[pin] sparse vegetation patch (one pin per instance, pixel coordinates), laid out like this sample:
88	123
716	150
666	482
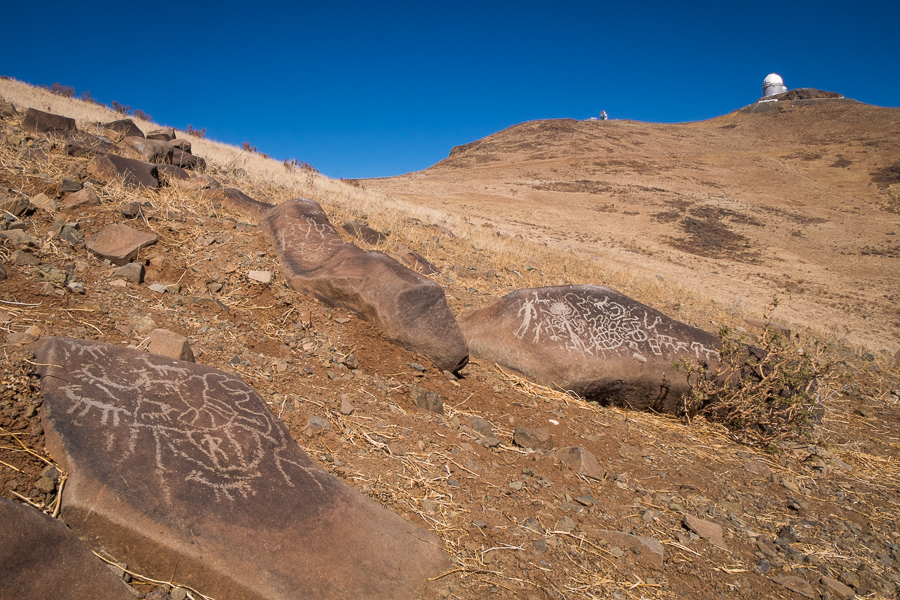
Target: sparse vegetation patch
761	394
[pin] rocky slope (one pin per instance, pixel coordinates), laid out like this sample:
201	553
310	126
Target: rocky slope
535	494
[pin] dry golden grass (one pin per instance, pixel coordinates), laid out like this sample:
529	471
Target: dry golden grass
518	262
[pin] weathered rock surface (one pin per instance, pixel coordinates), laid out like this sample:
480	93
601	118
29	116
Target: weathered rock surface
133	173
705	529
537	438
415	261
166	134
164	342
123	128
428	400
170	173
234	200
177	467
39	121
140	148
591	340
186	160
119	244
41	558
797	584
411	309
581	461
81	143
361	231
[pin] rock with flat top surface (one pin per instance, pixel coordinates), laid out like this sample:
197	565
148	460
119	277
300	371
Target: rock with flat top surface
40	558
180	468
119	244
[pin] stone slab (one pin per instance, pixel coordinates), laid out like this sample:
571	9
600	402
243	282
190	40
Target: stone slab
411	309
38	121
591	340
40	558
123	128
705	529
119	244
180	468
81	198
132	173
140	148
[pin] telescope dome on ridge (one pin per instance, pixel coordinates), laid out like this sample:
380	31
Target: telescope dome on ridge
773	84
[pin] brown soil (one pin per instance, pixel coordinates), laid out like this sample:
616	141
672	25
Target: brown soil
502	512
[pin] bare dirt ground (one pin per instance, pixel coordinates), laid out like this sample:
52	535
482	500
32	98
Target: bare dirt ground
518	523
802	200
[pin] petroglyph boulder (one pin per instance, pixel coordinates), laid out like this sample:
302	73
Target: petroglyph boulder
410	308
591	340
180	468
41	558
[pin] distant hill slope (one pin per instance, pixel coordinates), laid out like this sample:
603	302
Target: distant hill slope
796	197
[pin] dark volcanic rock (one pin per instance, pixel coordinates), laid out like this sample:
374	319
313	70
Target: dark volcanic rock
166	134
168	173
591	340
124	128
41	558
140	148
361	231
180	468
82	143
39	121
133	173
410	308
186	160
234	200
415	261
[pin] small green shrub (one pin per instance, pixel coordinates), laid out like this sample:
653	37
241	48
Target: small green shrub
761	394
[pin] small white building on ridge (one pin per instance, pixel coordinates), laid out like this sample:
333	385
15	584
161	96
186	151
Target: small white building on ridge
773	84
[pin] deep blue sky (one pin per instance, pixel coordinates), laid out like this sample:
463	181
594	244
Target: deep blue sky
365	89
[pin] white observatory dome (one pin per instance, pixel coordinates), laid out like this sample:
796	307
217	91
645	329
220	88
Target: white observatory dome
773	84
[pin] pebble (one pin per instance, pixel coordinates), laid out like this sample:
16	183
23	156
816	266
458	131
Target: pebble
566	524
261	276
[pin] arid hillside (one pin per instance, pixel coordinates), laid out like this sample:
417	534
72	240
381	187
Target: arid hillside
533	492
796	198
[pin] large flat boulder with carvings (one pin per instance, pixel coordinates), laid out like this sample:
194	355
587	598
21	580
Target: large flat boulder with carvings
591	340
411	309
180	468
41	558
